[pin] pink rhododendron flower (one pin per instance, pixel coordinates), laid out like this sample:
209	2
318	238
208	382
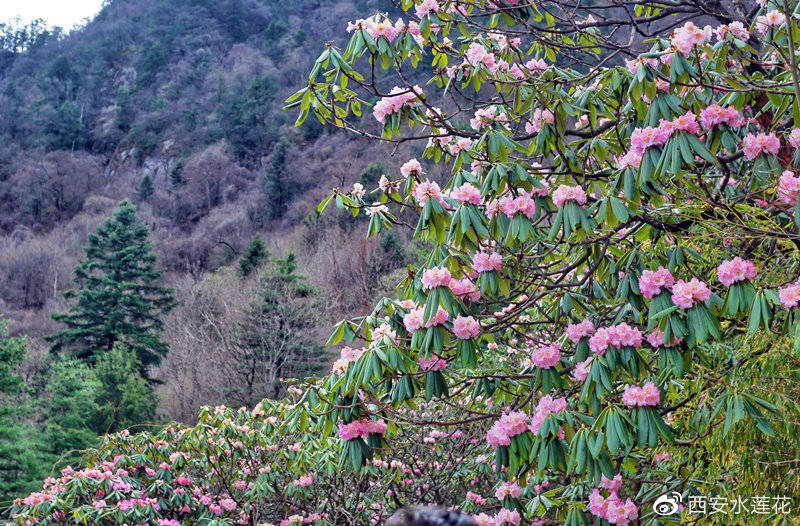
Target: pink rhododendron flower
647	395
505	516
580	330
566	193
466	327
508	489
773	18
507	426
734	270
652	282
484	118
689	35
427	190
684	294
464	289
582	370
656	339
432	363
788	187
426	7
755	144
715	114
414	319
539	118
612	485
361	428
622	335
522	204
546	356
466	193
411	167
439	318
398	99
303	482
487	261
736	28
794	137
790	295
436	277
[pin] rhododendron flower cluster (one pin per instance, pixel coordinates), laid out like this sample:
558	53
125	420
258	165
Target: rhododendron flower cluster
522	204
685	293
410	168
647	395
565	193
576	331
414	319
361	428
487	261
507	426
794	137
427	190
539	118
508	489
656	339
436	277
439	318
426	7
653	282
789	296
582	370
465	327
547	406
612	508
432	363
486	116
464	289
734	270
621	335
689	35
773	18
376	27
466	193
546	356
755	144
397	100
715	114
788	187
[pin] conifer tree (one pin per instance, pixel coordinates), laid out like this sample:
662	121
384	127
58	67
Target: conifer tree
123	397
145	189
255	254
274	183
117	297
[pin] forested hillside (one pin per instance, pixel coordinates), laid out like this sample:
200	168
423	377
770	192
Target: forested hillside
176	105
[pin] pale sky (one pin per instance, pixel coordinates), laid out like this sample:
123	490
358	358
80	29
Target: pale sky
63	13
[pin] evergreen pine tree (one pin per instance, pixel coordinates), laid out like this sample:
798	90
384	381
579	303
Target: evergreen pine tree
145	189
176	174
274	182
117	298
255	254
123	397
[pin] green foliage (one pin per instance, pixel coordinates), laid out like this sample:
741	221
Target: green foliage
23	459
255	254
70	401
245	117
176	177
123	397
372	174
145	189
275	183
66	127
117	297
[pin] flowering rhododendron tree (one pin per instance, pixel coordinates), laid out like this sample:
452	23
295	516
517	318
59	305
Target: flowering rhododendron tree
620	225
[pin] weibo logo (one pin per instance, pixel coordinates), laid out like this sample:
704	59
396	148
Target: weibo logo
667	504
